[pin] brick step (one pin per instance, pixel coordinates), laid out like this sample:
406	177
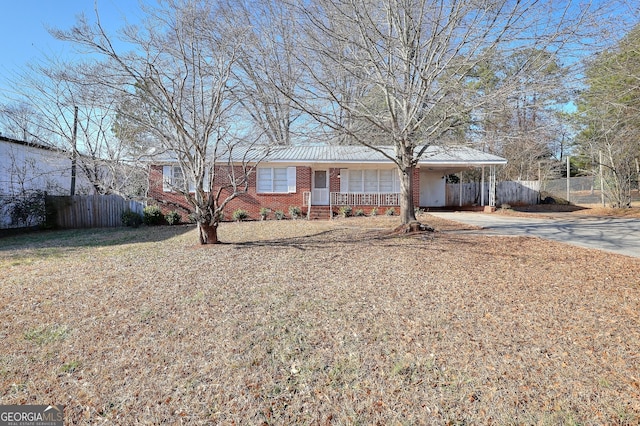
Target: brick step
320	212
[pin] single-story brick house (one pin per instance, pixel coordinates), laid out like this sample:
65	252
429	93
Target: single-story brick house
320	179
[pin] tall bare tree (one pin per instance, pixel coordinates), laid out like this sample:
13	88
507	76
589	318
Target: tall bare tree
609	112
524	127
419	55
267	73
48	94
18	120
178	81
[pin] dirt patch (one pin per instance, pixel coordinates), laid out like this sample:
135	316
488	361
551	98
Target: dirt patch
581	210
320	322
413	228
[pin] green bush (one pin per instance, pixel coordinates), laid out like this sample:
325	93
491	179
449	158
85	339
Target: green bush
374	211
27	208
390	211
345	211
264	212
295	212
279	214
152	215
359	213
173	218
130	218
240	215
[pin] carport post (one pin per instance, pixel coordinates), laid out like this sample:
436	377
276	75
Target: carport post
482	188
460	189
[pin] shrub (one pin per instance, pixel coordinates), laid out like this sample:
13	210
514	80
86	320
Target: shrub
374	211
345	211
264	212
295	212
279	214
359	213
173	218
390	211
26	209
152	215
240	215
130	218
417	211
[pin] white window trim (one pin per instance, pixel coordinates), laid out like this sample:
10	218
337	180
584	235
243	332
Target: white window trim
291	180
169	179
344	181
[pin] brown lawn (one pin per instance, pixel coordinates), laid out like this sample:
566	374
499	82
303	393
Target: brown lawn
316	323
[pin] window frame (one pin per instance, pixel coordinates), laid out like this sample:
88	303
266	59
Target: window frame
273	184
364	183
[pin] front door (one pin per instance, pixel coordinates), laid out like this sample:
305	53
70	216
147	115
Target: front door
320	188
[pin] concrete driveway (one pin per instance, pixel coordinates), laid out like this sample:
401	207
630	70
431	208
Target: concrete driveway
615	235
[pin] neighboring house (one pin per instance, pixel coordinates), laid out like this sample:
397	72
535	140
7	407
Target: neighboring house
327	177
27	167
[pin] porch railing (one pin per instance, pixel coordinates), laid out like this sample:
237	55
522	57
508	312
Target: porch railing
364	199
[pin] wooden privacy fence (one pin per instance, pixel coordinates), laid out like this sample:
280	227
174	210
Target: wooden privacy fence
507	192
88	211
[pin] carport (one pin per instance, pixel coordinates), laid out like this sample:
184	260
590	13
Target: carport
436	165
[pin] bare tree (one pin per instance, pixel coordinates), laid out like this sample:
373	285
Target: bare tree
57	107
524	127
177	81
18	121
608	113
420	57
267	73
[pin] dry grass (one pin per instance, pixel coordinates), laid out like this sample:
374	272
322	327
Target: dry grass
318	322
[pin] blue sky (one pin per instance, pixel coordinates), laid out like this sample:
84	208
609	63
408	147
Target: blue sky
25	38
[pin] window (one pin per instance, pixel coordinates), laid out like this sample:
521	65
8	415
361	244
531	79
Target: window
369	181
386	180
320	179
172	178
276	179
355	181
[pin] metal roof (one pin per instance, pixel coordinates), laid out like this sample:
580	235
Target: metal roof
349	154
361	154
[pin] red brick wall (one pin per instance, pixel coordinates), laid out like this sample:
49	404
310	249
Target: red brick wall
416	187
252	202
334	180
167	201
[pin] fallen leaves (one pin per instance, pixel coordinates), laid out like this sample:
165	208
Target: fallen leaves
320	322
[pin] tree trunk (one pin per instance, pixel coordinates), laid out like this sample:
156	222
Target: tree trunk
407	213
208	233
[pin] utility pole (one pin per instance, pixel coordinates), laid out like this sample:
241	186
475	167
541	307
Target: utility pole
74	154
568	179
601	179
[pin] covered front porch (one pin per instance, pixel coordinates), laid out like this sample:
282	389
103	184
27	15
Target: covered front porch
430	191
